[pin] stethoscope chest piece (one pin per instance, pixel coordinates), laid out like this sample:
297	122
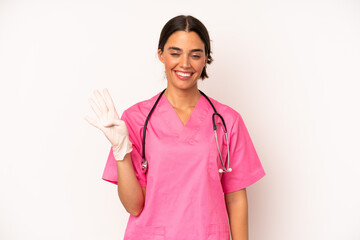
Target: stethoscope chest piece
144	165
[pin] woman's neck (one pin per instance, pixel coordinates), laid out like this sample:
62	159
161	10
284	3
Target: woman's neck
182	99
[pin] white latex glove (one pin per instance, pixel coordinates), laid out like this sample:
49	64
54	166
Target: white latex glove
110	124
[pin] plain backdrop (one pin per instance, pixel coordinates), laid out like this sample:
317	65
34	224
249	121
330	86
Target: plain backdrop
290	68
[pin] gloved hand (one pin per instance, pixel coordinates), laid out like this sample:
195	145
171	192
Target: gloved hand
110	124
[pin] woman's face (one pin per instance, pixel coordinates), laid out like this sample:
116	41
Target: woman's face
184	59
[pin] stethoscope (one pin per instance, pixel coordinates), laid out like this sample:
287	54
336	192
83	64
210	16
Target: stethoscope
145	163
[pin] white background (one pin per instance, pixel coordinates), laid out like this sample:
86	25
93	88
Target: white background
290	68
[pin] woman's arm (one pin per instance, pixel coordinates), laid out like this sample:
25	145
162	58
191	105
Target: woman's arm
237	208
130	192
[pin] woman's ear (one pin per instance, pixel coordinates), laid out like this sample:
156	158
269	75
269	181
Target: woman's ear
160	56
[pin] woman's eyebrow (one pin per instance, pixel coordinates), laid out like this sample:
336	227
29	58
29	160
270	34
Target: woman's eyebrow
174	48
179	49
197	50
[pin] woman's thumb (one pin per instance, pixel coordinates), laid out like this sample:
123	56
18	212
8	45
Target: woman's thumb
113	122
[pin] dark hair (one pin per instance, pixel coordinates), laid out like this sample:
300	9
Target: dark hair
189	24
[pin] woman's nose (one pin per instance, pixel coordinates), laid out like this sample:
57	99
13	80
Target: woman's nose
184	62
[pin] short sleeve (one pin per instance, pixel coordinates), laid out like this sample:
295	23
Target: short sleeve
110	171
244	161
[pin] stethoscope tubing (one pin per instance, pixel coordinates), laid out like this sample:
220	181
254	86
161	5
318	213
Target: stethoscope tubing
145	163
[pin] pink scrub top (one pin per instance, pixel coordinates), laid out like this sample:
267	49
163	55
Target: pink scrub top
184	189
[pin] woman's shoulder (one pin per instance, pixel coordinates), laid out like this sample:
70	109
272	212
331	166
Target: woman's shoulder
226	111
233	119
140	110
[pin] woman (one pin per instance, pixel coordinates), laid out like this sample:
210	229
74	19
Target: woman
181	194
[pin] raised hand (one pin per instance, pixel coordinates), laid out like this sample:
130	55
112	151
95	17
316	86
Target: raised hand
110	124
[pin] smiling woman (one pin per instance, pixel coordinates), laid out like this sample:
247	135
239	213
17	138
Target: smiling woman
179	187
184	59
192	25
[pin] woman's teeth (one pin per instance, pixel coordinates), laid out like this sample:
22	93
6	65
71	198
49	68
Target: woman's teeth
184	74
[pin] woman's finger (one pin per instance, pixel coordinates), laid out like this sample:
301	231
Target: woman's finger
95	108
93	122
109	100
103	107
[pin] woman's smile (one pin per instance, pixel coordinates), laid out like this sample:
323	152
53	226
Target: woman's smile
182	75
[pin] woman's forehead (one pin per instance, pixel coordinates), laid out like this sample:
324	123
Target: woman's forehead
184	40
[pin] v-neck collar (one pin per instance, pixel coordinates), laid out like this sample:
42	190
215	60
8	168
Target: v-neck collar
173	112
172	121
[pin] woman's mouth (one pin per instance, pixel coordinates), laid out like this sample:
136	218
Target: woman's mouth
183	75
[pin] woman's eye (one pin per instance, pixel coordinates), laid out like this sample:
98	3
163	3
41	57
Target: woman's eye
196	56
175	54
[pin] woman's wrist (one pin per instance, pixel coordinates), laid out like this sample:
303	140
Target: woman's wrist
122	149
